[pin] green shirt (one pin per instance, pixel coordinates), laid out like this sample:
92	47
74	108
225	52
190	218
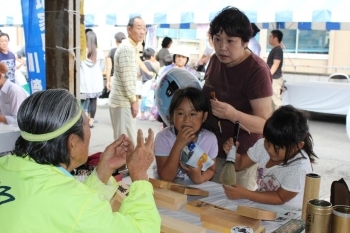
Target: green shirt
41	198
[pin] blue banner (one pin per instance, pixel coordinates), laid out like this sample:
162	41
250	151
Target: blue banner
34	33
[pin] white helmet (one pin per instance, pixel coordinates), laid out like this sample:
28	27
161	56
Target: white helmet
183	52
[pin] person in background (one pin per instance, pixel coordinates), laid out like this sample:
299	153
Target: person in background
253	44
180	60
166	43
11	97
119	37
209	50
275	62
7	56
284	157
242	83
148	82
91	77
36	180
21	54
167	60
86	102
123	102
188	112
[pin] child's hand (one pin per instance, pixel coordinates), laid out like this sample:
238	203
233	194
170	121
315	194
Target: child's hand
235	192
184	136
228	145
195	174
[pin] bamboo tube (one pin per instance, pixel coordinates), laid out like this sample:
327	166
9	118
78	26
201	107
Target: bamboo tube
311	191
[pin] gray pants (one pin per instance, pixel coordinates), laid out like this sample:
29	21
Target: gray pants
123	123
245	178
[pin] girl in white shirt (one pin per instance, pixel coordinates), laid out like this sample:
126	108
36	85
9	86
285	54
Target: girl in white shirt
284	157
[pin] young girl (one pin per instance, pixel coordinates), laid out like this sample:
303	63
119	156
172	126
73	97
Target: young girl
91	78
188	111
284	157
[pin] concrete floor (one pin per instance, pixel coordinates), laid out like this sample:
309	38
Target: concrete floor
331	143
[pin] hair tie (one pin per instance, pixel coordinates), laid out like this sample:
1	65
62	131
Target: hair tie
58	132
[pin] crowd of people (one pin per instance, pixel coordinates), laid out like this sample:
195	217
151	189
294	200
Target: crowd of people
274	149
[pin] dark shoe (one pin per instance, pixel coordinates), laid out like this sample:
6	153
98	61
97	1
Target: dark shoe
91	126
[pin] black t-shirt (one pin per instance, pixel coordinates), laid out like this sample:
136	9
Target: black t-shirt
276	54
111	56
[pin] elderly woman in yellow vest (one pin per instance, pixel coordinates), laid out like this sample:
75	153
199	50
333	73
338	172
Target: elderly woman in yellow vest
37	191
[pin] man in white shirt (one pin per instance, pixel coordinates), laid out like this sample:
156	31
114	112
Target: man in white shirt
11	97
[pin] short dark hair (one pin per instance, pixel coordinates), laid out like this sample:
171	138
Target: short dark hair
286	128
166	41
119	37
255	29
148	53
168	59
132	20
278	34
88	30
44	112
233	22
5	34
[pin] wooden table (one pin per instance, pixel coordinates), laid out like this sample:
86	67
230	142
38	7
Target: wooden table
217	197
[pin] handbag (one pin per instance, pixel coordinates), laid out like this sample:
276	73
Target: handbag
340	194
105	93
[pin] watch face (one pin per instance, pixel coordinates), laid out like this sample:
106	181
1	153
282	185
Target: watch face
241	229
172	80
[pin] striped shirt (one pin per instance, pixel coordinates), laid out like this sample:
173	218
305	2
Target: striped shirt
123	86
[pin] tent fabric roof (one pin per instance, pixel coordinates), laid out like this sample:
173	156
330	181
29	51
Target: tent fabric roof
326	14
201	12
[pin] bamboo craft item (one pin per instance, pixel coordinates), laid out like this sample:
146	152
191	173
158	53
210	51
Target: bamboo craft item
189	190
224	220
256	213
179	188
311	191
161	183
172	225
120	194
292	226
197	207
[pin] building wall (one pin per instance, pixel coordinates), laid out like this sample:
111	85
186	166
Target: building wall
339	55
337	61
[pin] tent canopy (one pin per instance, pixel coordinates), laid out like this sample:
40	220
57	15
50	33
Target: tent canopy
330	14
304	14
